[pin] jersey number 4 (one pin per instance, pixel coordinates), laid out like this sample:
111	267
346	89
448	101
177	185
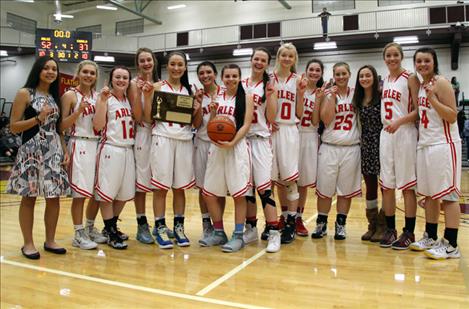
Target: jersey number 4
343	122
424	119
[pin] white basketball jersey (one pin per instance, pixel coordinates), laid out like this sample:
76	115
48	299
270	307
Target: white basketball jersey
83	126
169	129
119	129
259	125
433	129
202	130
395	98
305	124
226	106
343	130
286	93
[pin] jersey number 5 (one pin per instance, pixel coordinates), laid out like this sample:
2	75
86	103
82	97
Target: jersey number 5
388	110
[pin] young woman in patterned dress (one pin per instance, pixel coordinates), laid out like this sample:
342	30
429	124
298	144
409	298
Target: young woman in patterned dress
39	167
367	103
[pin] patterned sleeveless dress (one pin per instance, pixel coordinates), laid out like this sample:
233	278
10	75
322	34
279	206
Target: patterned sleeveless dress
38	169
370	120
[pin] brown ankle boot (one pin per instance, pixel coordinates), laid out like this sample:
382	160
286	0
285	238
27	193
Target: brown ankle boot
380	227
372	216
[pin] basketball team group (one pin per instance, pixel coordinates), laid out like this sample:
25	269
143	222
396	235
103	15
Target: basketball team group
291	132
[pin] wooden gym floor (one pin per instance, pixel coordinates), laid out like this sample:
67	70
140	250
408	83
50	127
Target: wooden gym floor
305	274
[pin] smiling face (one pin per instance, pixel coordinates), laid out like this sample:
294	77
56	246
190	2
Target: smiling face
176	66
287	58
206	75
49	72
341	76
259	62
424	64
145	63
231	78
393	58
365	78
120	80
314	72
87	75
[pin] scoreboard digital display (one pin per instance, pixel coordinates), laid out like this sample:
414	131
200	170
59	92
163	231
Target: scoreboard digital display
63	45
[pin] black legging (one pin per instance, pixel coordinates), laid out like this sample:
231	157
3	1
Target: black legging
371	182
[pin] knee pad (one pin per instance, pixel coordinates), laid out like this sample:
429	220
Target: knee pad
265	198
292	191
251	199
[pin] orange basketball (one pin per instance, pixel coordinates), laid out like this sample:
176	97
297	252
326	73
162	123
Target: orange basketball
221	128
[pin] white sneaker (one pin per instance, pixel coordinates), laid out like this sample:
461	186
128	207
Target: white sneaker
250	234
82	241
443	251
423	244
274	241
95	235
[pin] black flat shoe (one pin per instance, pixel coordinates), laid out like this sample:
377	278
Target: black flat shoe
31	256
55	250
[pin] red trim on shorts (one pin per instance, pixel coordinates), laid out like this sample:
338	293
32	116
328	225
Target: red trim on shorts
264	186
311	185
318	193
142	187
408	185
383	186
80	191
241	192
206	193
356	193
101	146
188	186
445	192
103	196
158	184
292	178
453	187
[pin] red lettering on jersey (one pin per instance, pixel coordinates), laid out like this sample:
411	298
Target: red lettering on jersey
225	110
123	112
308	103
287	95
89	110
205	110
392	94
423	101
257	99
344	108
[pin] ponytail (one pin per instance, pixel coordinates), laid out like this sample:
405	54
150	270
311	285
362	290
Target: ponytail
240	109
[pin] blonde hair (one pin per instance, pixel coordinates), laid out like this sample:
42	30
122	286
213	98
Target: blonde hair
88	62
396	45
287	46
341	64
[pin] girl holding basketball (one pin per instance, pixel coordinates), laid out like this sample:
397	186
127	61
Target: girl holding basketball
264	98
146	64
78	108
285	138
339	154
309	138
115	180
207	74
228	164
171	147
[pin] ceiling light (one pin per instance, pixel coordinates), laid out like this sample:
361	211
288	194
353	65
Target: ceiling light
406	39
242	52
60	16
325	45
27	1
106	7
104	58
175	7
3	53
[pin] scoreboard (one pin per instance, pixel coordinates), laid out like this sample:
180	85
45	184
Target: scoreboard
64	45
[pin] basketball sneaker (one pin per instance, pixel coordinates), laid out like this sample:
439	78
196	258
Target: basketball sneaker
115	241
274	241
404	241
301	229
235	244
169	232
121	235
215	239
181	238
95	235
82	240
250	234
389	236
288	233
423	244
143	234
207	229
281	222
443	250
162	238
265	233
340	233
320	231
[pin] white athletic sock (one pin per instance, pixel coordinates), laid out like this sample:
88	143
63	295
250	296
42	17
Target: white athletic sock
89	222
78	227
372	204
206	215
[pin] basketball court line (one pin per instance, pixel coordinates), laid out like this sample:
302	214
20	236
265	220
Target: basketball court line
131	286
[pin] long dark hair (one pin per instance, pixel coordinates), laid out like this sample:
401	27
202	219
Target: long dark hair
359	94
34	77
320	82
185	76
112	72
240	109
265	75
154	73
208	64
431	51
